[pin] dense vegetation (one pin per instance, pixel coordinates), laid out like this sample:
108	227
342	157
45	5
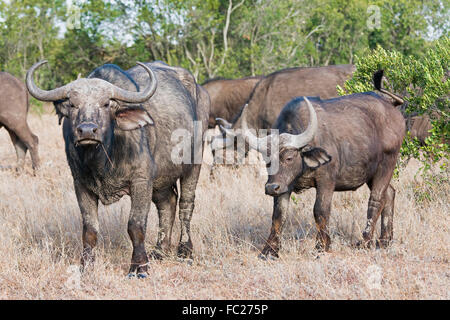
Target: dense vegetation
424	83
211	38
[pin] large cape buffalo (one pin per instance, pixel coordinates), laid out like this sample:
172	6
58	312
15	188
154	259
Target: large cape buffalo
228	96
119	142
13	116
334	145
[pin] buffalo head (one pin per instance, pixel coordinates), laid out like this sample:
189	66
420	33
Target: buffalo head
93	105
295	155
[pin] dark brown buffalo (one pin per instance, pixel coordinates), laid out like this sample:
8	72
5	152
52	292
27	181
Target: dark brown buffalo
228	96
13	116
118	129
334	145
275	90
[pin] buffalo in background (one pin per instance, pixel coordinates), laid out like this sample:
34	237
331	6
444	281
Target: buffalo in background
275	90
420	125
13	116
228	96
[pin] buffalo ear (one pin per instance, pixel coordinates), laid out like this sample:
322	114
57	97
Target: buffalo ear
62	109
315	157
131	119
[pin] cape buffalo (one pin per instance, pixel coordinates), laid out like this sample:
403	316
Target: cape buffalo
228	96
13	116
118	128
334	145
275	90
419	127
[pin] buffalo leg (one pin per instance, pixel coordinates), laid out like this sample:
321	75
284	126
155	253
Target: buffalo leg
21	149
166	203
137	225
280	211
322	209
88	203
188	186
377	198
30	141
387	218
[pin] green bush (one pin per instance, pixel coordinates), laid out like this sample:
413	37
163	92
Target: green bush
423	83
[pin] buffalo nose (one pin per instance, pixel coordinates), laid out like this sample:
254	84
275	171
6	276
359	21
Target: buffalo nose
272	188
87	130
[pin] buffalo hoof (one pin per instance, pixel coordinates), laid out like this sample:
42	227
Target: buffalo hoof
363	244
187	261
270	252
320	254
321	247
139	275
185	250
358	245
268	256
20	167
142	275
383	243
36	171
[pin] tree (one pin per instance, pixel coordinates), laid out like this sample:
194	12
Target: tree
405	25
28	33
211	38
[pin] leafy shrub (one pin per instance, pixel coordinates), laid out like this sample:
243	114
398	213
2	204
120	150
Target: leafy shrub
424	85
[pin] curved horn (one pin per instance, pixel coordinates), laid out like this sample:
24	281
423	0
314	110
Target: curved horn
226	139
137	97
224	123
258	144
43	95
300	140
227	131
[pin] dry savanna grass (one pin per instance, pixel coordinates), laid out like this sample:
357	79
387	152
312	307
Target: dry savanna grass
40	239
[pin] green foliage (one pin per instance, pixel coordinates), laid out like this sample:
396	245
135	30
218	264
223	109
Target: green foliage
228	38
423	82
403	21
294	199
28	32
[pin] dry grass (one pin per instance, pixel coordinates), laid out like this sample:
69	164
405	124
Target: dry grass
40	239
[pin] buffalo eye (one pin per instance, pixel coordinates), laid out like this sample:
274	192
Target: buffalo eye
71	105
288	157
